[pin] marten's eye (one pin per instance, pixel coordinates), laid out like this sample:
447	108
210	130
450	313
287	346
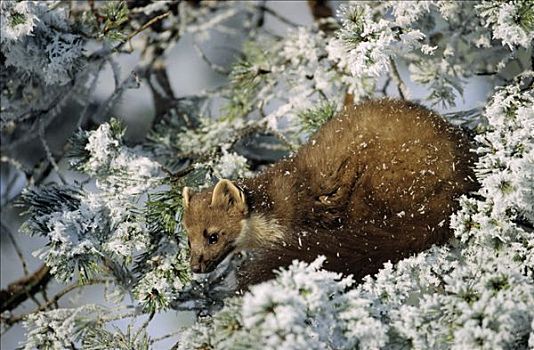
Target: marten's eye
213	238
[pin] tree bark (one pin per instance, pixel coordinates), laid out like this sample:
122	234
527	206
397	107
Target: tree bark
19	291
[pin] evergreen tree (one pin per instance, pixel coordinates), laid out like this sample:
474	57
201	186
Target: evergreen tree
116	222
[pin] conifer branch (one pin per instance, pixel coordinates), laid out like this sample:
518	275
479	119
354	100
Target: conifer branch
19	291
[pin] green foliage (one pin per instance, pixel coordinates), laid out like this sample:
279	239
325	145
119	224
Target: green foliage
98	338
41	203
526	15
117	128
54	212
354	19
247	76
115	15
162	209
167	252
76	150
16	19
163	212
311	119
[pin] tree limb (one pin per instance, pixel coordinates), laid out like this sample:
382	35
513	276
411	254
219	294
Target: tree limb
19	291
15	319
160	86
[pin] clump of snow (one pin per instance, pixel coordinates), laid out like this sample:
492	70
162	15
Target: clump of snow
18	20
54	328
505	18
37	42
365	45
304	308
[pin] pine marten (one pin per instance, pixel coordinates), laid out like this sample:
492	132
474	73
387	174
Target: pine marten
374	184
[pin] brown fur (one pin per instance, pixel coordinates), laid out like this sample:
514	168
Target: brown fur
376	183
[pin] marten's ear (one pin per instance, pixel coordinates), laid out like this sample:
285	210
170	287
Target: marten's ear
186	196
226	193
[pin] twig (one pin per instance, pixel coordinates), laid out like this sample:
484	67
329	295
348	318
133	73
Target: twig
7	196
92	87
45	113
44	171
94	11
34	299
8	188
6	230
22	260
12	320
119	317
18	165
148	24
210	22
403	90
166	336
49	113
116	69
33	177
277	15
46	299
214	66
160	86
320	9
178	175
139	30
259	22
145	324
386	85
49	155
68	289
114	97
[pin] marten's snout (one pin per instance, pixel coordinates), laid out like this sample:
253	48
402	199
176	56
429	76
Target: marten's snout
197	263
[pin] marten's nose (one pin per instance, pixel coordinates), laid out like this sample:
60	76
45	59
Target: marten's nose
196	264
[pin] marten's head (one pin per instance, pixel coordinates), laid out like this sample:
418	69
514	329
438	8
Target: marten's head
213	220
